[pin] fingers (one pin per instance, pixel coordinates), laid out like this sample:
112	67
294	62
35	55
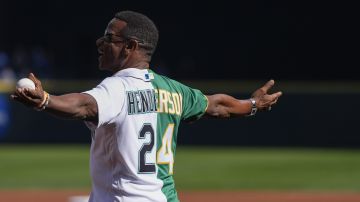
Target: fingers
22	100
268	85
35	80
273	102
13	96
266	101
274	98
21	93
30	93
32	77
27	96
16	98
277	94
24	96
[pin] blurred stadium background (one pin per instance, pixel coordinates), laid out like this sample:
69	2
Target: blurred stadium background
309	142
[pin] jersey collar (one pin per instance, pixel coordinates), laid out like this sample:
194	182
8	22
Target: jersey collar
142	74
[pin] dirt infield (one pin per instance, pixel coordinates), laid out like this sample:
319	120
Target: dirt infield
269	197
192	196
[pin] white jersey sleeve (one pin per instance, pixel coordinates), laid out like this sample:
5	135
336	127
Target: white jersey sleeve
110	99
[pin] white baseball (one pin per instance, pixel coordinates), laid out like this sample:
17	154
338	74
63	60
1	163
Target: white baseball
25	83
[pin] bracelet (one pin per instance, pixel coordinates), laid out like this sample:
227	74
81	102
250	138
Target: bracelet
253	107
44	100
44	103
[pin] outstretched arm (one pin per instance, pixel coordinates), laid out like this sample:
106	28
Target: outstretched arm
70	106
225	106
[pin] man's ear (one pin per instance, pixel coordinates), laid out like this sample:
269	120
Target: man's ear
132	45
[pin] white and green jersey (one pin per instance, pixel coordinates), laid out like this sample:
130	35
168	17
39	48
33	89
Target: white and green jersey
133	145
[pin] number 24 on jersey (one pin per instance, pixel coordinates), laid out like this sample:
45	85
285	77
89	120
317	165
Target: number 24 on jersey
165	154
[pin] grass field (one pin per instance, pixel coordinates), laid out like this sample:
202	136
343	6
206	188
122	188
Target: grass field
196	168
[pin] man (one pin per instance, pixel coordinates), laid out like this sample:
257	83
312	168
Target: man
134	115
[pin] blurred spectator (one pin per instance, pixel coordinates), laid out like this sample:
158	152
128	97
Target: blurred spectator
7	74
21	61
37	60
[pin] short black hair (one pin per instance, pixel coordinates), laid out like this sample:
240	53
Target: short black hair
140	27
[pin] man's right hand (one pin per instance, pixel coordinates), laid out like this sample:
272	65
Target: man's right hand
79	106
28	97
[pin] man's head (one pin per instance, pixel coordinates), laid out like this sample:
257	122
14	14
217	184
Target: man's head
129	38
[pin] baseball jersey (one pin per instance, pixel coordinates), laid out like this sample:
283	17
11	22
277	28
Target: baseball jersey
133	144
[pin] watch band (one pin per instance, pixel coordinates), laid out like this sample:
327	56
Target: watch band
253	107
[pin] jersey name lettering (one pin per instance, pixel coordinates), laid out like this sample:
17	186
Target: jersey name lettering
141	101
168	102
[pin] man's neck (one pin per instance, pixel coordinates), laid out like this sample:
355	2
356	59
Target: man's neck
137	65
136	60
140	65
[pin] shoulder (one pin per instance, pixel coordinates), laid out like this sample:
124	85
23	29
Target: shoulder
113	81
161	80
108	86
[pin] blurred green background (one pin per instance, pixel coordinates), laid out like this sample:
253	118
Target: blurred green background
196	168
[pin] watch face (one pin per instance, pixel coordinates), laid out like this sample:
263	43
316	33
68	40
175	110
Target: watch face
253	102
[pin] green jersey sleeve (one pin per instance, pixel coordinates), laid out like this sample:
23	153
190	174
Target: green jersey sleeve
170	93
194	104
